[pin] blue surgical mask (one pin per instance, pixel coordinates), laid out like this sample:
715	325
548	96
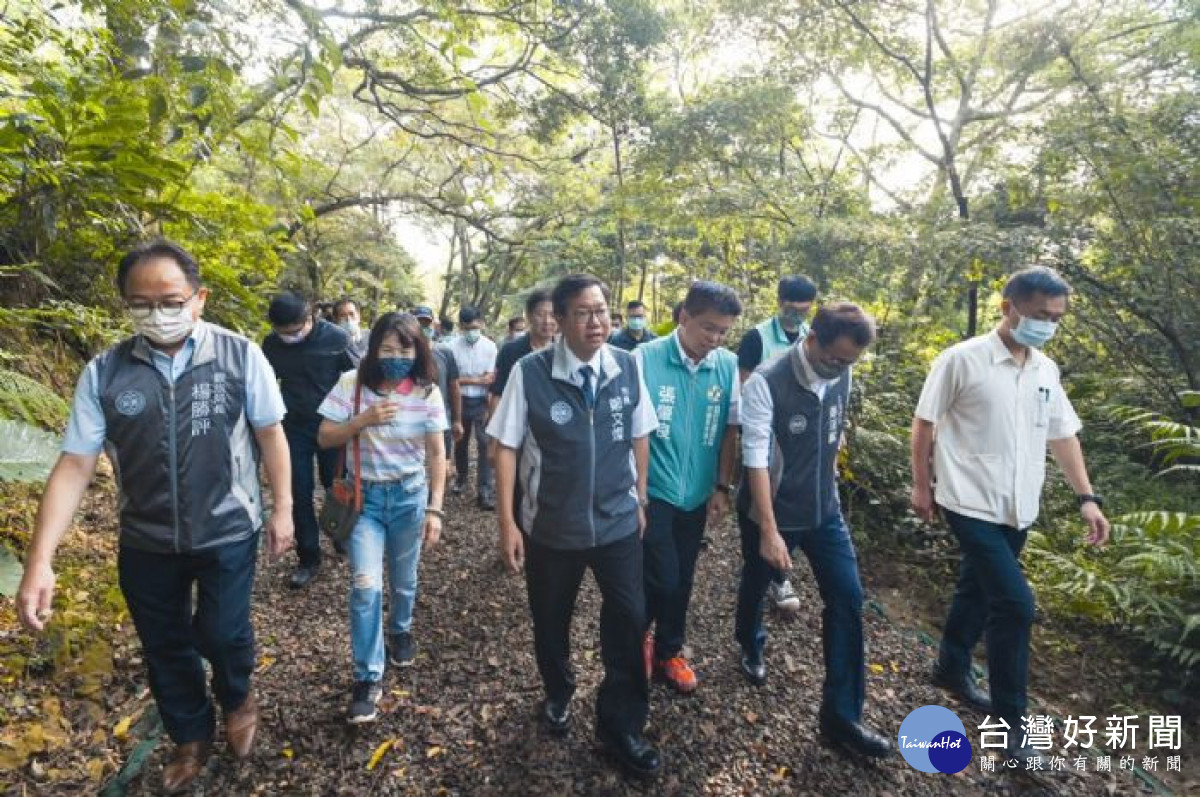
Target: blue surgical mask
292	339
395	368
637	323
473	335
1034	332
791	320
428	332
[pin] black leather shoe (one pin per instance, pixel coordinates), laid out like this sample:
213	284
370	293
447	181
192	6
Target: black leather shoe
633	752
856	737
302	575
754	668
964	688
557	716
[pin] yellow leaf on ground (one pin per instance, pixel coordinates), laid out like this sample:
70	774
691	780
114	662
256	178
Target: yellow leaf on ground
434	752
289	753
264	663
379	753
876	668
121	729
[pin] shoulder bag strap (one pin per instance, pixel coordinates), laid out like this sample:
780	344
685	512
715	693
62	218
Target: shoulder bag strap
357	453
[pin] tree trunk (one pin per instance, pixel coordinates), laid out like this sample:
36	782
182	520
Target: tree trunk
618	296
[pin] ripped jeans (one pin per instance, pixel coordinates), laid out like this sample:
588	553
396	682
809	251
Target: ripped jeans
389	529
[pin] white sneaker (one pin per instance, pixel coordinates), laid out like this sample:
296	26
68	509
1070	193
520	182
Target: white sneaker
784	597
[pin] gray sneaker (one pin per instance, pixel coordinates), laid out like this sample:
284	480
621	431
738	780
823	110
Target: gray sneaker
402	649
784	597
363	702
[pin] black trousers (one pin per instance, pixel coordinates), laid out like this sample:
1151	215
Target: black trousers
552	577
671	547
174	636
302	446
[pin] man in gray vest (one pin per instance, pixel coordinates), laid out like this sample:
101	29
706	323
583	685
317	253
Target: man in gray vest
793	411
181	408
763	343
577	417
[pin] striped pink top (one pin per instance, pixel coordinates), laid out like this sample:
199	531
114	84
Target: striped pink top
393	451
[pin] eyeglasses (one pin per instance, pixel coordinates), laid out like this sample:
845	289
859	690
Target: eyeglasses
169	307
582	316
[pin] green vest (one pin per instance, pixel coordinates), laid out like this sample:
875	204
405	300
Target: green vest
693	411
774	340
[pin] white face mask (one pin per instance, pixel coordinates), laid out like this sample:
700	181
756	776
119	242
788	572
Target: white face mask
163	329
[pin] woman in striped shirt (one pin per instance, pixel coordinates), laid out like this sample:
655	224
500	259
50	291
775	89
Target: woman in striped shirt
391	402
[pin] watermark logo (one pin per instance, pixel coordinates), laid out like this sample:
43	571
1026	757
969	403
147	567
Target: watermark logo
933	739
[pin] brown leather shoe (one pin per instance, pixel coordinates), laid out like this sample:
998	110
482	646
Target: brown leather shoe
187	762
240	725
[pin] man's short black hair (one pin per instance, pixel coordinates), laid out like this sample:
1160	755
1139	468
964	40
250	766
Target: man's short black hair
468	314
534	299
704	296
345	300
512	322
571	286
447	325
636	304
1035	279
843	319
796	288
159	247
286	309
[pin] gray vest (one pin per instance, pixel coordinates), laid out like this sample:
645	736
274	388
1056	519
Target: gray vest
184	453
576	466
805	434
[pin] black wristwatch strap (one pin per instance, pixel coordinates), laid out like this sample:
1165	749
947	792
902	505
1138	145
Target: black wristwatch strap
1095	499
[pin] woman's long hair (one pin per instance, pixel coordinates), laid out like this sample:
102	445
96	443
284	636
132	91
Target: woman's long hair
424	370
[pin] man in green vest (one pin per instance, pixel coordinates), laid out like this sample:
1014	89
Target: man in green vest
692	382
796	295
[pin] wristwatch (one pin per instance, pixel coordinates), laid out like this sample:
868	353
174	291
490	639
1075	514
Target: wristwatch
726	488
1095	499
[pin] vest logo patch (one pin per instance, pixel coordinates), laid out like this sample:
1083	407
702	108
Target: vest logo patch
797	424
131	402
560	413
714	394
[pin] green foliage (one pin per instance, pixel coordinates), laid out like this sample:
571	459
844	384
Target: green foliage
25	399
1147	580
26	453
1177	445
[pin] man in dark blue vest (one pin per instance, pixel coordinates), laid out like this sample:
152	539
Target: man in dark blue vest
574	421
793	412
182	409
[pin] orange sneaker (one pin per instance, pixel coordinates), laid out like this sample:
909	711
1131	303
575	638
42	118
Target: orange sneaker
678	674
648	653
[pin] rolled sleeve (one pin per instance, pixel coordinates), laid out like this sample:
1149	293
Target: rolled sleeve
264	404
756	411
510	420
645	419
86	428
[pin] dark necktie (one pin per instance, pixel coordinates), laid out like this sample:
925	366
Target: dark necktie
589	391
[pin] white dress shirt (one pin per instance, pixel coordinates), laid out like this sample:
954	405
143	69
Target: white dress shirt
510	421
992	418
473	359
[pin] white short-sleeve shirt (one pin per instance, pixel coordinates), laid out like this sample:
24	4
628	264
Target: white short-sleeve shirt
992	419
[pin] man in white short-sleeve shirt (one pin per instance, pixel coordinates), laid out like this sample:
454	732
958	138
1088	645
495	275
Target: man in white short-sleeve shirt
989	408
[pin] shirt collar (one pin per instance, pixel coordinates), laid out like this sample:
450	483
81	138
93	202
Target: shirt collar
1000	352
705	362
566	364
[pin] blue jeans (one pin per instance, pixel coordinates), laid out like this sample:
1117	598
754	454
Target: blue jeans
390	527
991	600
831	555
175	633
